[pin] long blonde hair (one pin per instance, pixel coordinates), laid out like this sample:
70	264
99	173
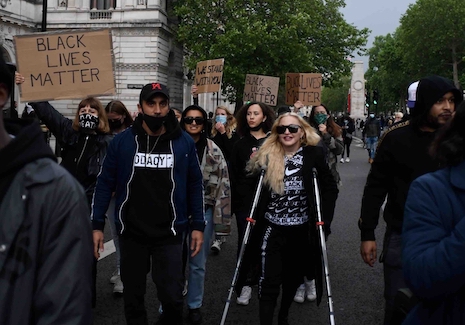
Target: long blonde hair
230	125
271	154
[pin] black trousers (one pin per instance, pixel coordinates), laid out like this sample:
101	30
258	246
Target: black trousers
285	259
165	259
393	275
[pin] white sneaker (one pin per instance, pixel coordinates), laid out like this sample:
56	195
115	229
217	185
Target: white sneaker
347	159
115	277
310	290
245	296
216	246
118	287
300	294
342	160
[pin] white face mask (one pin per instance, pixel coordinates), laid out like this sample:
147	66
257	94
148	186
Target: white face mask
221	118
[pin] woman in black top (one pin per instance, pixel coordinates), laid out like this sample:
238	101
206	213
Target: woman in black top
254	121
286	213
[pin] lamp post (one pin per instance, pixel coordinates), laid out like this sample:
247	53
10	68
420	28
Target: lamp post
44	16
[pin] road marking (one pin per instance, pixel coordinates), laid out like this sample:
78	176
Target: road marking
108	249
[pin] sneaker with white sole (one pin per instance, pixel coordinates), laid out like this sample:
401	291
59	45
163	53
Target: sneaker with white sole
347	159
118	287
114	277
245	296
342	160
310	290
216	246
300	294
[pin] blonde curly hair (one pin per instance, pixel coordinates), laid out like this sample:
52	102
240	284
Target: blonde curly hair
271	153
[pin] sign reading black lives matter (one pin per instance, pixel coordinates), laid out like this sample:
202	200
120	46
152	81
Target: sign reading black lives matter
208	76
305	87
65	65
262	89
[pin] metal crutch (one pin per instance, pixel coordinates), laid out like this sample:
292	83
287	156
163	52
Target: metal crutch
248	229
321	234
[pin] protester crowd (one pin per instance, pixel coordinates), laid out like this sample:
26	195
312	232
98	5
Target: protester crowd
170	182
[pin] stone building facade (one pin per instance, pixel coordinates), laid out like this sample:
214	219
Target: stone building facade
143	41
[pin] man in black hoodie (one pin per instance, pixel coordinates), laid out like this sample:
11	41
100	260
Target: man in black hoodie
401	157
45	232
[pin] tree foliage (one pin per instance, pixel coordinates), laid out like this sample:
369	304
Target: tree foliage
432	38
428	41
335	97
268	38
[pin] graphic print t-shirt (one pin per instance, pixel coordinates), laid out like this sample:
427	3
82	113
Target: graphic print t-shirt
290	209
150	213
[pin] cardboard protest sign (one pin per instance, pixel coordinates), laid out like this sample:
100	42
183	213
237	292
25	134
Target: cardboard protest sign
208	76
261	89
305	87
65	65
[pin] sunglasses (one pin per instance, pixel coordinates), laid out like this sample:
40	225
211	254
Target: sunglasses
190	120
293	128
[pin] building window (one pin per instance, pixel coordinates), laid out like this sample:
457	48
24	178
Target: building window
102	4
141	2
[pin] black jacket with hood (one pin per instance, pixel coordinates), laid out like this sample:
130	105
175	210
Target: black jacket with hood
82	154
46	250
402	156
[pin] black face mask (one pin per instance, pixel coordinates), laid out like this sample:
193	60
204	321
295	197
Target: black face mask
88	122
256	128
154	123
115	124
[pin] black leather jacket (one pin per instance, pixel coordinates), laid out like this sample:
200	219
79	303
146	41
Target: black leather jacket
82	154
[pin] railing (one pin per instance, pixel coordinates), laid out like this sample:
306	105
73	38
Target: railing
100	14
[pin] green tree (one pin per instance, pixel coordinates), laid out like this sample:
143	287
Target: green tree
268	38
335	97
387	73
432	39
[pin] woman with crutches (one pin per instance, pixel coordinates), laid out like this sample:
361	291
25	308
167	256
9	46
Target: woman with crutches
286	211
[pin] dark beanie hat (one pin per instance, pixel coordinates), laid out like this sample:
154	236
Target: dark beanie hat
429	90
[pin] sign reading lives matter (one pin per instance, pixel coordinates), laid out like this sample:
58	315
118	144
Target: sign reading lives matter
305	87
208	76
65	65
261	89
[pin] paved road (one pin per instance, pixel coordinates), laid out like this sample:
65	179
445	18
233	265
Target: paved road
357	288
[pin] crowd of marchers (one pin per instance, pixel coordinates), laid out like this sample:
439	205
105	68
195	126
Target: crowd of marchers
170	182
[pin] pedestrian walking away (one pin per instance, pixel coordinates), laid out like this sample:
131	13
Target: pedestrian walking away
348	128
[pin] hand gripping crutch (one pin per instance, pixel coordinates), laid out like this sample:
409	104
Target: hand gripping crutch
321	234
248	229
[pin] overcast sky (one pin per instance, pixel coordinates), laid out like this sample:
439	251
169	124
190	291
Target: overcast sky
380	16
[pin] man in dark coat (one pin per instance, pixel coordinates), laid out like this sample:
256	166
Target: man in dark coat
45	232
401	157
